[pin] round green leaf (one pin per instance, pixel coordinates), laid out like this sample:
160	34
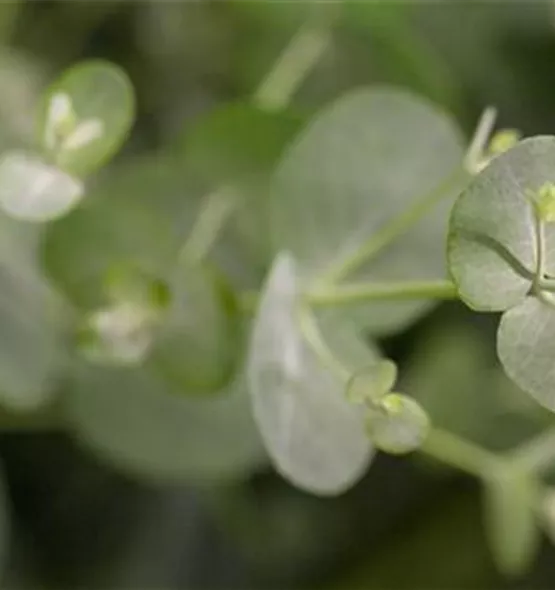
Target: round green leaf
314	436
492	238
197	343
397	424
526	348
371	383
357	167
238	145
86	115
509	512
137	221
237	141
189	332
31	190
140	424
136	218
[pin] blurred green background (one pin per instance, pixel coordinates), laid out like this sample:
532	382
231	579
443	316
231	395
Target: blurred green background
76	521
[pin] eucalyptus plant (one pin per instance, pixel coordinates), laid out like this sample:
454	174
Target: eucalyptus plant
128	324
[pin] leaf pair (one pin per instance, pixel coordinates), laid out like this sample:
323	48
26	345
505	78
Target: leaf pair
342	187
319	416
352	180
84	118
135	222
313	434
496	243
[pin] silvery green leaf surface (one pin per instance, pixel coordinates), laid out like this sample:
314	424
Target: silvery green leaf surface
33	322
398	425
358	166
139	423
492	238
372	382
526	348
314	436
32	190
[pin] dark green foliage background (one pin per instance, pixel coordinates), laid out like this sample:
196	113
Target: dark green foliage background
77	523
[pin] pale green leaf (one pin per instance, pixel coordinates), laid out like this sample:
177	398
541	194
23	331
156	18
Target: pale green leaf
134	219
362	163
199	338
492	239
32	322
137	222
371	383
237	145
32	190
86	115
526	348
313	434
237	141
509	516
138	423
186	328
397	424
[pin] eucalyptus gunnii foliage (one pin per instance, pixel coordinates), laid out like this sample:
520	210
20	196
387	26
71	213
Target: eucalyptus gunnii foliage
195	312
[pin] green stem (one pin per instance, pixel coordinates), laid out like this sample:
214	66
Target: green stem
274	93
368	291
537	454
478	144
540	252
460	453
312	335
215	210
394	229
359	293
296	61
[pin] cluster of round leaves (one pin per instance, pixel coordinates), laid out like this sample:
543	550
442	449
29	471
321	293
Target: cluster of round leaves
165	331
155	388
319	415
501	255
321	391
99	300
83	120
161	330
